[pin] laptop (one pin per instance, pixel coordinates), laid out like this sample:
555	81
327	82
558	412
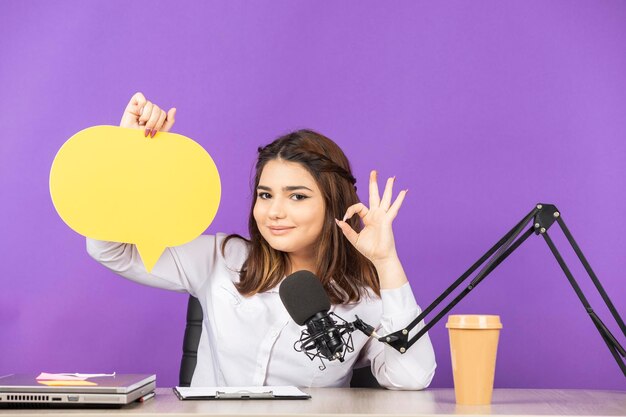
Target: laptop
19	390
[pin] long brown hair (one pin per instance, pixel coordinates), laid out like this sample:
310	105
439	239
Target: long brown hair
343	271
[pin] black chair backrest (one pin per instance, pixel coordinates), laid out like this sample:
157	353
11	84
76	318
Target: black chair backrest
191	342
361	378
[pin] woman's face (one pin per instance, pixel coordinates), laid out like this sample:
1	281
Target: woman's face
289	208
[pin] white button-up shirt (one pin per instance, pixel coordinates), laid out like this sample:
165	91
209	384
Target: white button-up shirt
249	341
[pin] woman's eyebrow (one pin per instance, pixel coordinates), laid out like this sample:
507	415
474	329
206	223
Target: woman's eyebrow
288	188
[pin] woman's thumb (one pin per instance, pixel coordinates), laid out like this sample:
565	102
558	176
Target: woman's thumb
169	120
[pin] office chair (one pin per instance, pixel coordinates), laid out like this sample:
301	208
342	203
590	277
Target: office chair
361	378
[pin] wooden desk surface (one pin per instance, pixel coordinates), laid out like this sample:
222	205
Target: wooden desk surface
328	402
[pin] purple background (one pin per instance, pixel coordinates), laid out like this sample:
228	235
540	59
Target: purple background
481	109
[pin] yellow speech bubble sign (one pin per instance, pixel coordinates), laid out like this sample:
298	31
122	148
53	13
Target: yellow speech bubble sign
111	183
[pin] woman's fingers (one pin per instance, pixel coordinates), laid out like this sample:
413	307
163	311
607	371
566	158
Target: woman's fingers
154	117
145	113
386	200
141	113
374	197
159	123
169	120
153	120
132	112
358	208
395	207
136	103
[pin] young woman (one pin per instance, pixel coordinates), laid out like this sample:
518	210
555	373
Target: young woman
306	216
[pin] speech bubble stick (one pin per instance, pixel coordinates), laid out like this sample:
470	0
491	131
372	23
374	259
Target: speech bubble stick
111	183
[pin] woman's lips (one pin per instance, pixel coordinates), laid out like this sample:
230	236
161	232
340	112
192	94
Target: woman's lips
277	231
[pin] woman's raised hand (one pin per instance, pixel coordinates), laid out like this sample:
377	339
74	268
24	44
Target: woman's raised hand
375	241
143	114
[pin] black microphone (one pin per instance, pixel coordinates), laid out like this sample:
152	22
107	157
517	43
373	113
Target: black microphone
307	303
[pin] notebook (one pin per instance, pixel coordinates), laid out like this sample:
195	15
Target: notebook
91	391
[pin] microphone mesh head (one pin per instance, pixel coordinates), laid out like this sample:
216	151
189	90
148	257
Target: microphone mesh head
303	296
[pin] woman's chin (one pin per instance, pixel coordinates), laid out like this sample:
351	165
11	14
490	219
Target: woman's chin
281	247
278	243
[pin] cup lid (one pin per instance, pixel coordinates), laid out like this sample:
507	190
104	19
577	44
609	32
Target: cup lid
473	321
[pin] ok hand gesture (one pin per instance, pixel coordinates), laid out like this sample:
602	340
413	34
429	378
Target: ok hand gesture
375	241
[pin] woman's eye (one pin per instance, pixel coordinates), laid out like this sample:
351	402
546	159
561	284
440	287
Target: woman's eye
295	197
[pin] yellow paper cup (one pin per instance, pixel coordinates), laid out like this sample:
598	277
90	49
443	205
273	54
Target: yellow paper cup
473	347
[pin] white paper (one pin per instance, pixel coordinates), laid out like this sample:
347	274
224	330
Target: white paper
69	376
277	391
58	377
79	375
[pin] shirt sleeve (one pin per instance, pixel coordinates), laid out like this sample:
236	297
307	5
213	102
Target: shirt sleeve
183	268
412	370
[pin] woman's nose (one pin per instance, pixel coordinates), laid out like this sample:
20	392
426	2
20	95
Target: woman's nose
277	209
